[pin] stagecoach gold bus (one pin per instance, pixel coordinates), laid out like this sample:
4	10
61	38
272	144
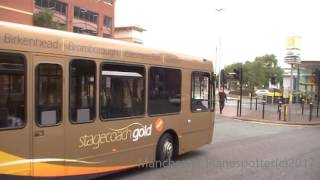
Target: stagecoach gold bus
75	105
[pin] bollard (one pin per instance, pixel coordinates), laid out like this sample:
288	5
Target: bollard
250	101
256	103
310	114
302	106
285	112
263	103
238	103
318	109
279	109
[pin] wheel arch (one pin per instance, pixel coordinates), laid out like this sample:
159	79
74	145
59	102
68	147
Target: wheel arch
174	135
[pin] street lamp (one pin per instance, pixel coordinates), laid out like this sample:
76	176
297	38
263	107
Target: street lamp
293	59
218	50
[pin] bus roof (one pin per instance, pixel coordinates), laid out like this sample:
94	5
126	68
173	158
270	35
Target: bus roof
42	40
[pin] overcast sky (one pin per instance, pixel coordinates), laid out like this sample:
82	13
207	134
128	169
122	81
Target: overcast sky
246	28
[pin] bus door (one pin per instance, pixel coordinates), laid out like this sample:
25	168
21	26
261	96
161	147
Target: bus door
199	121
48	128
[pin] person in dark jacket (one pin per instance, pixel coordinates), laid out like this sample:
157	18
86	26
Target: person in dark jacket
222	99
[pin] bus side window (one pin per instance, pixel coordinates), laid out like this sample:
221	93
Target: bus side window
200	91
122	91
82	91
48	94
164	91
12	91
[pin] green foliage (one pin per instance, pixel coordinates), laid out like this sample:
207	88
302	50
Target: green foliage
45	19
259	72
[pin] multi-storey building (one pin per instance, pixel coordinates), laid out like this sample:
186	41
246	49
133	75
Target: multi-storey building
94	17
132	34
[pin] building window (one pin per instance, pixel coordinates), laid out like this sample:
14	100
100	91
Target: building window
84	31
77	29
85	15
49	94
200	91
108	2
164	91
107	22
12	91
122	91
55	5
107	35
82	90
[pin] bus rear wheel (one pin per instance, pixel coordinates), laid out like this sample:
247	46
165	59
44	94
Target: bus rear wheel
165	150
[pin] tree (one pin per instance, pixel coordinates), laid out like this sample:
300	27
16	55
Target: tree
259	72
45	19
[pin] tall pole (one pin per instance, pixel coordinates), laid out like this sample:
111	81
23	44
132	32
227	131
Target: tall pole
241	82
293	58
218	50
218	67
318	97
317	78
290	93
219	60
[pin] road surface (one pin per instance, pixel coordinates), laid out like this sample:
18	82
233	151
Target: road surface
244	151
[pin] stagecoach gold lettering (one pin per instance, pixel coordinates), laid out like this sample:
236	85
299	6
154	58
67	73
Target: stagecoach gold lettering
71	46
115	135
138	133
24	41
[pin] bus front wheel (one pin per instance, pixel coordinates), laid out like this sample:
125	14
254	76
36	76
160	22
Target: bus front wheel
165	150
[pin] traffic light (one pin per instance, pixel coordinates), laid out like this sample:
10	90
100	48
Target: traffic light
223	75
237	74
273	80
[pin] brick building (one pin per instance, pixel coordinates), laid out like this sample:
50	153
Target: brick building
94	17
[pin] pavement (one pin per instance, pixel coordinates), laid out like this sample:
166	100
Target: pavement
244	150
271	114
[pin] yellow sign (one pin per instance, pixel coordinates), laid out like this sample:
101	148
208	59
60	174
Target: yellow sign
294	42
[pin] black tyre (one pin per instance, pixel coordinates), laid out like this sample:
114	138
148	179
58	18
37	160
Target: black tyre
166	149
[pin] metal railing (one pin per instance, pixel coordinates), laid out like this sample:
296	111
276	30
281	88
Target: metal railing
259	108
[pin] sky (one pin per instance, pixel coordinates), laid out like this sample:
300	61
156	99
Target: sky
243	30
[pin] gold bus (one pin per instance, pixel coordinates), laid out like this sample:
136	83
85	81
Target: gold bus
76	105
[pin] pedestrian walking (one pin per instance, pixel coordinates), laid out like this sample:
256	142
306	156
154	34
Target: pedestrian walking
222	99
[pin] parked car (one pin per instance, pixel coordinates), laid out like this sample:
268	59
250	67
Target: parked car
262	92
274	92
